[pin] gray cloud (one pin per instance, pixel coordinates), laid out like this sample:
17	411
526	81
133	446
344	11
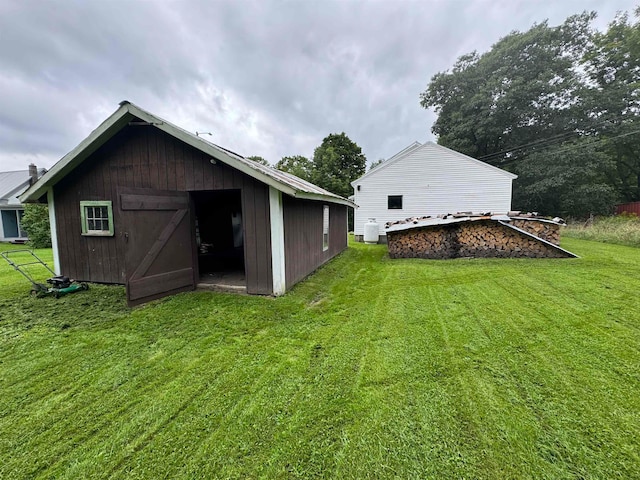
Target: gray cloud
268	78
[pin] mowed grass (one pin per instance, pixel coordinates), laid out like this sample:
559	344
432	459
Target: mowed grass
372	368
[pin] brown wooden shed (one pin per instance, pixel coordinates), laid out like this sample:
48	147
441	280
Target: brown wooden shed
144	203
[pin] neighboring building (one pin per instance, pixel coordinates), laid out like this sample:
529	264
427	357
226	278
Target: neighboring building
428	179
12	184
147	204
631	208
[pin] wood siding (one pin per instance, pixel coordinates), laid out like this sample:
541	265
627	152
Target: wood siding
432	180
145	157
303	236
633	208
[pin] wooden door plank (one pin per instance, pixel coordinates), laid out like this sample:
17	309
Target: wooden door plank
162	282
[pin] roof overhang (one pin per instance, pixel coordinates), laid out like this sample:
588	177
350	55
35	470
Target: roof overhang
128	112
75	157
316	196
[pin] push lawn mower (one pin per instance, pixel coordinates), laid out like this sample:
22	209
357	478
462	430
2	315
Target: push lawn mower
59	285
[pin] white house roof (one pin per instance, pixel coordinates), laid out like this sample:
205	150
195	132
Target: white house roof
13	184
284	182
415	146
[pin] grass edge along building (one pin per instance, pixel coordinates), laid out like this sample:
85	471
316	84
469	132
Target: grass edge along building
144	203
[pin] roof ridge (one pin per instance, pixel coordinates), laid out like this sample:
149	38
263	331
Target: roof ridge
128	111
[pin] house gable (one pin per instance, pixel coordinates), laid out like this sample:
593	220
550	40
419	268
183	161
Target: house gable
428	180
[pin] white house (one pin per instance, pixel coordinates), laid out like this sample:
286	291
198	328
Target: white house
12	184
428	179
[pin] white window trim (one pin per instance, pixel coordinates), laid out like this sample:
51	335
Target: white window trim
325	234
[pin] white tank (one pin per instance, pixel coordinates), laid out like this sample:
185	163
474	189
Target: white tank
371	231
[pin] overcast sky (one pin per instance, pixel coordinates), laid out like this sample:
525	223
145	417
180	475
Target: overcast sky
268	78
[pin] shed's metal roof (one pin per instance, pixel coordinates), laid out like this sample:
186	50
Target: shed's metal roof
285	182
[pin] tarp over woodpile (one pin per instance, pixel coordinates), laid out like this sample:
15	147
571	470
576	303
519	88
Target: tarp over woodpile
467	234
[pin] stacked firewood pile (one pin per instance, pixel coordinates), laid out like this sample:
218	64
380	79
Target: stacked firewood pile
545	230
478	236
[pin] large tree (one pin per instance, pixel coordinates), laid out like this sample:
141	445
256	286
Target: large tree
526	86
297	165
258	159
336	163
514	104
614	67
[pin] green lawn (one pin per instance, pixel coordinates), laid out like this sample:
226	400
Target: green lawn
372	368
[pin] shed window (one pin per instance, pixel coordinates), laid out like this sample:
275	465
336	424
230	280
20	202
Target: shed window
97	218
394	202
325	228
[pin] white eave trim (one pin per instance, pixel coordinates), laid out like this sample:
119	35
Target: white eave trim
95	140
325	198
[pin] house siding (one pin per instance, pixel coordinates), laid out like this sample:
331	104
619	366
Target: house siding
432	180
303	236
145	157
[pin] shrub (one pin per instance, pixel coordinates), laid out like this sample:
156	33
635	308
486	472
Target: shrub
35	222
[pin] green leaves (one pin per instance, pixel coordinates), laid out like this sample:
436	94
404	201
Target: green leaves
297	165
336	163
35	222
556	105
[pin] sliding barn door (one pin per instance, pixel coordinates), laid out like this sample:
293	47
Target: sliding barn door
158	241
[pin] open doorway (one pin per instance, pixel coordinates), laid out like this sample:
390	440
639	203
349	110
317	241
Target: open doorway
220	240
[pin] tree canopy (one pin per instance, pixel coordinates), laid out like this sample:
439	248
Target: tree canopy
336	163
549	104
376	163
297	165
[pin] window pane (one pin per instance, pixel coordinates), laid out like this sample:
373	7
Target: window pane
10	223
97	217
21	231
325	227
394	202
